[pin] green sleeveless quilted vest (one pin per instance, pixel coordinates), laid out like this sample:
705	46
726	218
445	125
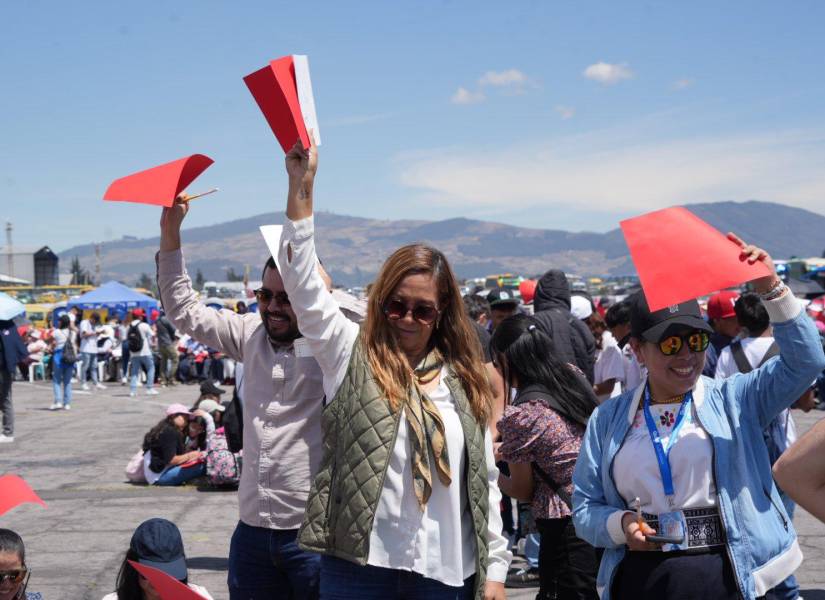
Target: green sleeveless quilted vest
360	429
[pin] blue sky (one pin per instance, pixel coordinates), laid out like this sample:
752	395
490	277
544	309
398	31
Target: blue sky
552	115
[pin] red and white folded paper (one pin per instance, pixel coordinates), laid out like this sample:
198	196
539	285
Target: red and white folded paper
283	91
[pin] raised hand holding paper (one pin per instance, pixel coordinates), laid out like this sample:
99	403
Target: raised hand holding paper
159	185
15	491
283	91
679	257
166	587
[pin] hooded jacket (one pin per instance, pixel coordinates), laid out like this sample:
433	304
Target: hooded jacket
572	339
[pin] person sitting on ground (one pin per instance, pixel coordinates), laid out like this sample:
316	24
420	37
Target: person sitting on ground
211	408
165	460
156	543
14	575
541	433
196	433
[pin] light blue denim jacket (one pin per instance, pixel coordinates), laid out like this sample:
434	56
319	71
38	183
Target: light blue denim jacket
761	541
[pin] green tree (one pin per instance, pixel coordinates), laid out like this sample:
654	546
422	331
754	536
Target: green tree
145	282
80	276
231	275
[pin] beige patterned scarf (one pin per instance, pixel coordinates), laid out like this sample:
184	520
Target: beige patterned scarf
426	431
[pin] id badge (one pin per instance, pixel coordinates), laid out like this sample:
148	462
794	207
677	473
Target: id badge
673	524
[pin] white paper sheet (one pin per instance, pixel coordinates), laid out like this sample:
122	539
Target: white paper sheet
305	96
272	237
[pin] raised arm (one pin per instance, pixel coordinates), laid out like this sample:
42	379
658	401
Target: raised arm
329	333
779	382
301	166
223	330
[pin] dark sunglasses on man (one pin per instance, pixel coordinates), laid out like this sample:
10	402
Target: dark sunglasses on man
14	576
425	314
696	341
265	296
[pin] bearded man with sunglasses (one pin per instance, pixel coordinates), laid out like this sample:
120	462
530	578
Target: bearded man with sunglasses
282	399
674	479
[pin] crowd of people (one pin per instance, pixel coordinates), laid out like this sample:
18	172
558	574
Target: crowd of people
402	451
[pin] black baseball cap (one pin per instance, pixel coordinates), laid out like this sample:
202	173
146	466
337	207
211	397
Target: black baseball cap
158	544
501	297
207	387
654	326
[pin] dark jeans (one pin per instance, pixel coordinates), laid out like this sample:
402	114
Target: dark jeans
344	580
675	576
5	402
267	564
567	564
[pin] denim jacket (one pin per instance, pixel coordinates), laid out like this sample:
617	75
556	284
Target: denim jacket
761	541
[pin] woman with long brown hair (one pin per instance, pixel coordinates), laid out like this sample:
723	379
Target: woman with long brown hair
405	502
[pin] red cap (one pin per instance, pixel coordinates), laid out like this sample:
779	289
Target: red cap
138	313
720	305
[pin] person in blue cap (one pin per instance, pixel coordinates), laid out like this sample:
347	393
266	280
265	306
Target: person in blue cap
156	543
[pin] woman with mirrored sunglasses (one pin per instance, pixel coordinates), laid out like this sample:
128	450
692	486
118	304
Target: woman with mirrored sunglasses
14	575
405	502
674	478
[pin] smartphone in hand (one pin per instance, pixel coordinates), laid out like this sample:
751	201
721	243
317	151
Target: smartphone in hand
665	539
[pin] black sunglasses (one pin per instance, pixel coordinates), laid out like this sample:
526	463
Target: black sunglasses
697	341
265	296
423	313
15	576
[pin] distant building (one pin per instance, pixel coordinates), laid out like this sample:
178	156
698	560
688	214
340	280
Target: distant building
38	265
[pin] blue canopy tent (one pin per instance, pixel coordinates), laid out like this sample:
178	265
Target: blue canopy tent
112	298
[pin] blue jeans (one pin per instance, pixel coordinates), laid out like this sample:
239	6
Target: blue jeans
62	382
87	359
344	580
267	564
531	550
179	475
134	370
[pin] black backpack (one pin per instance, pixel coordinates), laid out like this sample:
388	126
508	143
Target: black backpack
69	352
134	338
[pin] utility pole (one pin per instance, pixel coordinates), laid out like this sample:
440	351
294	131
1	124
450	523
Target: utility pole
9	249
97	263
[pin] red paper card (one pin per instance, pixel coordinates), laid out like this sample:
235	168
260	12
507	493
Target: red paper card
168	588
14	491
679	257
158	185
275	91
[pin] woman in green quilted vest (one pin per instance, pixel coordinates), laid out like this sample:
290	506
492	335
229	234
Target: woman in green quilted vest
405	501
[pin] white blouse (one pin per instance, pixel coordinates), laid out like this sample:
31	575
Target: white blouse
437	542
636	470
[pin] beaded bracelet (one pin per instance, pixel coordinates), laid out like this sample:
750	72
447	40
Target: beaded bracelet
775	292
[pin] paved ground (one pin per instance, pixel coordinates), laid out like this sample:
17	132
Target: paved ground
75	461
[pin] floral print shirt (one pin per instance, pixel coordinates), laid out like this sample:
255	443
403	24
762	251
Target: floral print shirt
533	432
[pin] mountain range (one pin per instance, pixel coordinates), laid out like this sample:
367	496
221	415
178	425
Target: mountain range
353	248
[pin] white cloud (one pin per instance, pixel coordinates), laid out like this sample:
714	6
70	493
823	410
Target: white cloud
614	172
682	84
465	96
565	112
511	77
608	74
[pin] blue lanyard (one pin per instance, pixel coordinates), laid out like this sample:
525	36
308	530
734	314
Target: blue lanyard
662	453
